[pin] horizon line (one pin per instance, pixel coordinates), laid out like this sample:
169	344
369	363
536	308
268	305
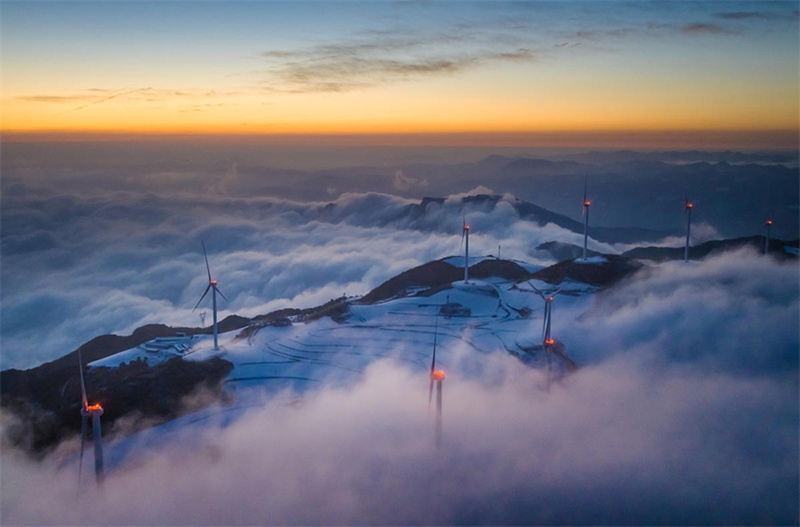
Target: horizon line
764	139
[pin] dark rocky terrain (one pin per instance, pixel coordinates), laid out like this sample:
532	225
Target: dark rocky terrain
142	395
47	397
605	274
432	274
565	251
698	252
44	382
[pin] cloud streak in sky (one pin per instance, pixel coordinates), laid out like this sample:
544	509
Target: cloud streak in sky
108	98
381	58
89	97
52	98
707	29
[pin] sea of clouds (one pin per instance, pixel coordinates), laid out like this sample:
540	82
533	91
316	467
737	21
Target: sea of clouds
80	259
683	411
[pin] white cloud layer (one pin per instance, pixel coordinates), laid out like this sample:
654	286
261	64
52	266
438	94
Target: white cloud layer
684	412
88	262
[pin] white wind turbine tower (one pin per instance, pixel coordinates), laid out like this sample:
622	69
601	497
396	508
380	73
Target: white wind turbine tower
437	377
768	225
547	340
212	285
688	229
95	411
586	204
465	236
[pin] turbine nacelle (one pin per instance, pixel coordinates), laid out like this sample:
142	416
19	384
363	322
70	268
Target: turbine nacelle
768	223
586	203
437	376
688	206
91	410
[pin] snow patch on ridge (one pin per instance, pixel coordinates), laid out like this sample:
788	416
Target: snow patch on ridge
597	260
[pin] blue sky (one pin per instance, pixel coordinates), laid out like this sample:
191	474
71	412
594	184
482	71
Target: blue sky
398	67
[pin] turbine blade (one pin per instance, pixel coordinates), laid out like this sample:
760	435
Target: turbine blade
83	384
202	297
435	334
585	195
220	293
544	321
549	318
433	360
536	290
84	417
585	187
544	327
205	255
97	439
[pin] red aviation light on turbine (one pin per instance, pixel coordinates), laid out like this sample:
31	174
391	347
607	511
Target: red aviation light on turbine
94	408
769	222
688	205
437	376
213	282
550	342
466	227
586	203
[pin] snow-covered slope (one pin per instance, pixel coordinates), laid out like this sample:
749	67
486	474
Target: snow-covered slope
469	321
480	316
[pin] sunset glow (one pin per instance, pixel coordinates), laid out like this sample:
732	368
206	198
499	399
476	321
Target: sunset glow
501	73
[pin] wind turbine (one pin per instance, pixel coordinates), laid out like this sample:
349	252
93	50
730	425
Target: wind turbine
688	229
547	340
586	204
437	377
95	411
465	235
212	284
768	225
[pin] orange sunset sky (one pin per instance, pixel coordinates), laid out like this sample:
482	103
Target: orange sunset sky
635	74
